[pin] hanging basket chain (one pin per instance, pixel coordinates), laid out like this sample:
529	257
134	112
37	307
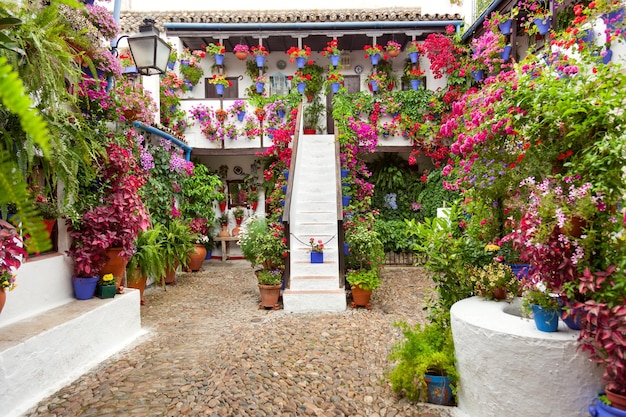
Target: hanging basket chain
308	244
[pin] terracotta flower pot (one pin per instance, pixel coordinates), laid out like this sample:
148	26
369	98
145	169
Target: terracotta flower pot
617	401
393	53
269	296
3	298
241	56
116	265
197	258
137	281
170	275
361	297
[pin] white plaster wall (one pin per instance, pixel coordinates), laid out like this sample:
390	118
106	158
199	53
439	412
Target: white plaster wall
509	368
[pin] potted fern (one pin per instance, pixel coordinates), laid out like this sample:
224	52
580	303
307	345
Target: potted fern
147	260
175	241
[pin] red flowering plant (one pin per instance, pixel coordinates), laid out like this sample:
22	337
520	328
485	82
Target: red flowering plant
414	73
331	48
12	254
115	220
263	243
371	50
299	77
220	79
446	55
295	52
335	77
414	46
259	50
316	246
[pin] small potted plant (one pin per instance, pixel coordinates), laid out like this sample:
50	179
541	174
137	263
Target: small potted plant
393	48
378	80
147	260
362	283
215	49
220	82
239	109
269	282
175	241
241	51
12	248
335	79
543	305
260	53
425	364
332	51
238	213
414	48
299	55
106	286
494	281
317	251
373	52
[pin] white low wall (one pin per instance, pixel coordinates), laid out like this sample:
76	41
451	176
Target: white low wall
509	368
40	355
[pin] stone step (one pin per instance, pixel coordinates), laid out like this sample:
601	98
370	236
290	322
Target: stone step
314	282
306	301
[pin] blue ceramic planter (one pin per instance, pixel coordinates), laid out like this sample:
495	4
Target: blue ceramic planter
219	59
345	200
300	61
414	56
599	409
334	87
543	25
346	249
286	174
520	270
374	85
415	84
301	88
260	87
375	58
334	60
281	113
506	53
439	391
478	75
241	115
505	27
345	173
260	61
85	288
545	320
317	257
219	89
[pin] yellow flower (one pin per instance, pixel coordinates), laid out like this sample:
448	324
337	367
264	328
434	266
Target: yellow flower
492	248
107	278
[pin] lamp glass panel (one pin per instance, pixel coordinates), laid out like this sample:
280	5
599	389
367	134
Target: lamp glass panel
142	49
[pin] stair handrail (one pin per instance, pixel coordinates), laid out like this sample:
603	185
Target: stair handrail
339	193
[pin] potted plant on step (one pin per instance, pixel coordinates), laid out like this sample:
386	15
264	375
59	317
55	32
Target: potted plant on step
147	261
317	251
106	286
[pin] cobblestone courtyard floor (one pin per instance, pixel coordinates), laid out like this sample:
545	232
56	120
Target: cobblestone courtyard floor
210	351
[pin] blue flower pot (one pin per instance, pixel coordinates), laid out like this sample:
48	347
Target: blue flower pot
374	85
334	60
300	61
219	59
415	84
414	56
346	249
184	62
478	75
520	270
281	113
375	58
614	18
260	61
545	320
286	174
209	253
282	203
506	53
284	187
573	318
543	26
345	200
607	57
301	88
334	87
219	89
439	391
345	173
599	409
170	65
241	115
84	288
587	35
317	257
505	27
260	87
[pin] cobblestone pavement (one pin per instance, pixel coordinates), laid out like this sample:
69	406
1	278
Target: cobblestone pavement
210	351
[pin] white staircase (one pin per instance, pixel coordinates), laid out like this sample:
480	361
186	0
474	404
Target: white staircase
313	214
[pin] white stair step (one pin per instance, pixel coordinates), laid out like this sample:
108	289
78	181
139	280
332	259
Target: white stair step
306	301
314	282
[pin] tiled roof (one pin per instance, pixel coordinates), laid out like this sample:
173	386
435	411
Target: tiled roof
130	21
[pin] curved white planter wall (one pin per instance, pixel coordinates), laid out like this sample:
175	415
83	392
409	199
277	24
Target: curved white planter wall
509	368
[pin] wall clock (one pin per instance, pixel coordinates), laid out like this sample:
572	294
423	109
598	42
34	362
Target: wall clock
281	64
358	69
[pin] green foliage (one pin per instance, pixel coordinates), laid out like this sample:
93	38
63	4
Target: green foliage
175	241
269	277
423	349
394	235
364	279
441	242
263	243
199	192
315	84
148	257
434	195
313	114
366	249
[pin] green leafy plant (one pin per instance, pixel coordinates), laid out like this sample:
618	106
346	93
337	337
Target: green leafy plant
148	257
366	279
175	241
263	243
489	279
424	349
269	277
199	192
